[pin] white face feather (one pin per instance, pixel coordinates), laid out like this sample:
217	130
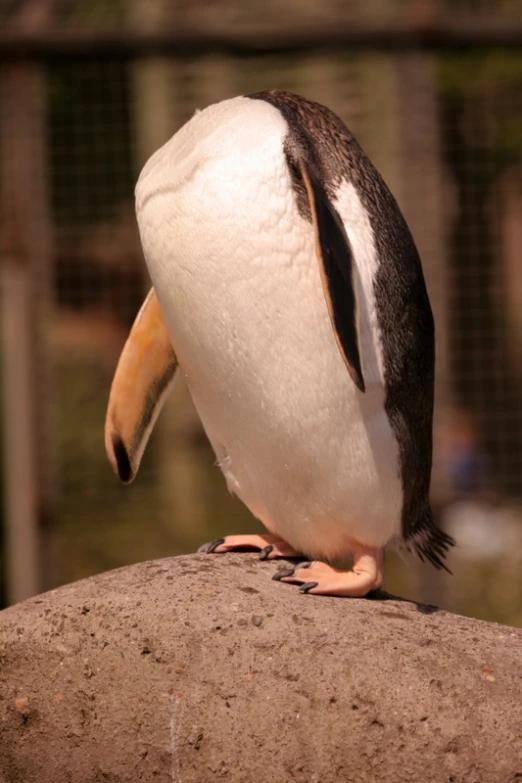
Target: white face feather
235	270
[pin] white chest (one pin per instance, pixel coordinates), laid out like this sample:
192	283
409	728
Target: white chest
236	274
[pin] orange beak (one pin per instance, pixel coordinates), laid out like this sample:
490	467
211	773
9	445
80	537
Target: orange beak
144	378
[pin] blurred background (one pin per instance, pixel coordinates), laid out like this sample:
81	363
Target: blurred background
88	90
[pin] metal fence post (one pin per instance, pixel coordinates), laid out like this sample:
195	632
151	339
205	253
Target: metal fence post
26	299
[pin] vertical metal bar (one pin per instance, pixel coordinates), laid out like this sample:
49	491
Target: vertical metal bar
26	255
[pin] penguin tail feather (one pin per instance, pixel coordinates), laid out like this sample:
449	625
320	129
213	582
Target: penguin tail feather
430	543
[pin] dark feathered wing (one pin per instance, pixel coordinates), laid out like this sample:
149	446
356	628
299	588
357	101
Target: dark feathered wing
337	272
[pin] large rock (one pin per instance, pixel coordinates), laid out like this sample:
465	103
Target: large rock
201	668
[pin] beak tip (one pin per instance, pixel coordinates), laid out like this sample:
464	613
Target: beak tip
122	463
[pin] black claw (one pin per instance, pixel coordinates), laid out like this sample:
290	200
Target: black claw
304	564
211	546
284	572
263	555
307	587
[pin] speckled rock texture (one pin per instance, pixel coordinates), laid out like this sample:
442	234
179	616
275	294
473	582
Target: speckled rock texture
201	668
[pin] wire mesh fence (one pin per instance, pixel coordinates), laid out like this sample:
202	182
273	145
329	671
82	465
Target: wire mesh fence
444	126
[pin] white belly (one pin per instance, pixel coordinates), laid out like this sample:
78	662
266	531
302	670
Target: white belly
235	271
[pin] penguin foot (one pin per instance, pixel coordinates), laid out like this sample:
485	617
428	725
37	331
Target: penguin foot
319	578
270	547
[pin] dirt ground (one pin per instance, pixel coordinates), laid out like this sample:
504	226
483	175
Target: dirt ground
201	668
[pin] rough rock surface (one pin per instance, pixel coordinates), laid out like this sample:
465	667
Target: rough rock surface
201	668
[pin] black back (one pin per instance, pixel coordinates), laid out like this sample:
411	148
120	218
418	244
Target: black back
320	138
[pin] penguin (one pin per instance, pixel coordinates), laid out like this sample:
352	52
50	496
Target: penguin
288	291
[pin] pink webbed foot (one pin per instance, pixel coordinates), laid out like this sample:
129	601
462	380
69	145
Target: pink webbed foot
322	579
270	546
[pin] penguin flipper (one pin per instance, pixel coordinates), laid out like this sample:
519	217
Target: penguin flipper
142	382
337	273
